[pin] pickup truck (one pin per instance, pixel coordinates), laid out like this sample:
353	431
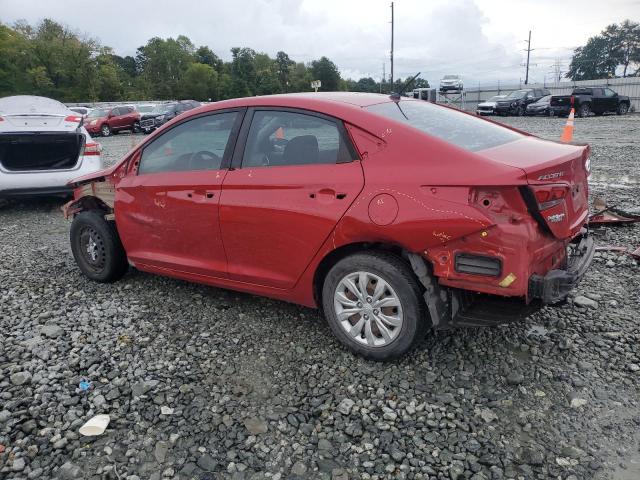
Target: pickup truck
598	100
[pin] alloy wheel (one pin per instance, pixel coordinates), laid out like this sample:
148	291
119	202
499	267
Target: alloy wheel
368	309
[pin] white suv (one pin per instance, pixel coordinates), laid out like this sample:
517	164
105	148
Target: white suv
451	82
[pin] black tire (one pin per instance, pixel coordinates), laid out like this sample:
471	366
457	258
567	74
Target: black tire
520	111
105	130
90	230
584	110
136	127
399	276
623	108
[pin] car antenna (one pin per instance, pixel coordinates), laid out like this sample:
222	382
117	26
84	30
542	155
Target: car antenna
396	96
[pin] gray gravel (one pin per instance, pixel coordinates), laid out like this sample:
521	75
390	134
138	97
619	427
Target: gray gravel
206	384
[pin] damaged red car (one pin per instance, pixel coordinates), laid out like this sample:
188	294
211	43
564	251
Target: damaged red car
394	216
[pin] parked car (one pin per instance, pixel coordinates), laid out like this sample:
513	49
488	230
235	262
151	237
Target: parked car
142	109
164	112
105	121
540	107
451	82
42	147
83	111
345	201
586	100
488	107
515	103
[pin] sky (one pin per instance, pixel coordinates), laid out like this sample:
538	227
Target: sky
483	40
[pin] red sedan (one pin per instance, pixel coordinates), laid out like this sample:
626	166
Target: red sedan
392	215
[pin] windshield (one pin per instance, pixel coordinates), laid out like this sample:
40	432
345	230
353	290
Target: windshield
517	94
460	129
98	112
496	98
450	77
162	108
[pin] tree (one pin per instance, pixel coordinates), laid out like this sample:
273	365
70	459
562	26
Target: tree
199	82
15	59
163	62
616	46
206	56
283	68
52	60
327	72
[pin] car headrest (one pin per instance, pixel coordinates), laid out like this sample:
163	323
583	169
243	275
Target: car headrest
302	149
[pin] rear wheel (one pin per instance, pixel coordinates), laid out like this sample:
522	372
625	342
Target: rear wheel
105	130
584	110
97	248
623	108
373	304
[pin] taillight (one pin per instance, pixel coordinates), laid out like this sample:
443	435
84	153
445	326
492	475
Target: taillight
1	119
73	118
549	196
92	149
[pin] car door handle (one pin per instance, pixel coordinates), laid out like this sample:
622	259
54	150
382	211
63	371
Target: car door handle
201	194
327	192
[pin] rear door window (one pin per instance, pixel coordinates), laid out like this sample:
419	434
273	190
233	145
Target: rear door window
279	138
460	129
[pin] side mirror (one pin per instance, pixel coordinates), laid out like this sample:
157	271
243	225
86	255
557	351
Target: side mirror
111	115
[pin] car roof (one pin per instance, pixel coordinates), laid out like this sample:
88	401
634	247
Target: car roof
309	100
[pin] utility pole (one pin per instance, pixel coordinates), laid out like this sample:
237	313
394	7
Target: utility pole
384	74
526	78
556	70
391	90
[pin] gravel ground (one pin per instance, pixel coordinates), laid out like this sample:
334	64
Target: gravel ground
206	384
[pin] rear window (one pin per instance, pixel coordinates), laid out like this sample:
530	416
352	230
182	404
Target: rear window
460	129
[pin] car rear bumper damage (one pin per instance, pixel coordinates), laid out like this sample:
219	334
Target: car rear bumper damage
556	284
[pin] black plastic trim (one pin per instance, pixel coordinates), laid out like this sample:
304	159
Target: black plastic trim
478	264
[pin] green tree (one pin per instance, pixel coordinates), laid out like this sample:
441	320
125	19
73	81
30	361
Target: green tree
283	68
299	78
327	72
163	62
616	46
15	60
243	71
199	82
205	55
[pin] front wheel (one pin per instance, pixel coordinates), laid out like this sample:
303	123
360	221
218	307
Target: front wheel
105	130
520	111
373	304
623	108
96	247
136	127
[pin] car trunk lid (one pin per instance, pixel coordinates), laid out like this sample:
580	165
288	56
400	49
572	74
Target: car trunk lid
557	174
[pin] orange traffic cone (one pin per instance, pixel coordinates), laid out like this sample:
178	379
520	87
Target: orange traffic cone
567	133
